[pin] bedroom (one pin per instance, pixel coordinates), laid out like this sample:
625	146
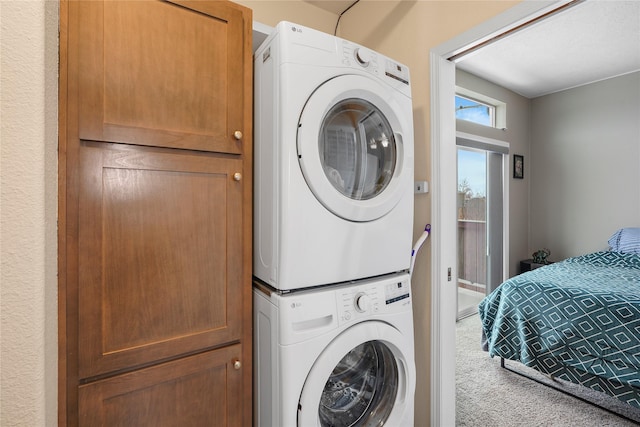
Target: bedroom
583	143
560	210
613	99
578	132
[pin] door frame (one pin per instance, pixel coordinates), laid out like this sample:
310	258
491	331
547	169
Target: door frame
443	152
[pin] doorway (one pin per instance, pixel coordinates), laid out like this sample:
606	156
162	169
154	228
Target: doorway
480	222
472	230
443	149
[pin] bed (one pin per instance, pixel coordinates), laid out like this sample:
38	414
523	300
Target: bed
577	320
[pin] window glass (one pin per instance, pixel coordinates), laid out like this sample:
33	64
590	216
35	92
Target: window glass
357	149
475	111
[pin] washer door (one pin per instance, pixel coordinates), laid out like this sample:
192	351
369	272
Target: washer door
358	380
351	148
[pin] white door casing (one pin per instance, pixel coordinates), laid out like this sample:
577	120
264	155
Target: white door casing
443	156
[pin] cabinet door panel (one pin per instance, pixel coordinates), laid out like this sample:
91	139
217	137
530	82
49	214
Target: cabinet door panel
160	255
162	74
201	390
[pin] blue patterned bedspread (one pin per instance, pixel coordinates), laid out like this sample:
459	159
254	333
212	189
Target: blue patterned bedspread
578	320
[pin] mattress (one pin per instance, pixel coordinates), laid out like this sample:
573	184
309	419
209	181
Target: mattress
578	319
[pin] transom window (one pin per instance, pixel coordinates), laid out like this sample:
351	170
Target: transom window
475	111
479	108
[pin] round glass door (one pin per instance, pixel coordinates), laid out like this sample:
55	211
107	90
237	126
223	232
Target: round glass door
362	388
364	377
357	149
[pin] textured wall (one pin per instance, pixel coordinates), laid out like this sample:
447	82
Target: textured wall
28	204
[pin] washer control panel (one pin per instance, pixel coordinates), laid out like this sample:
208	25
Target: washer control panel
362	302
395	292
370	299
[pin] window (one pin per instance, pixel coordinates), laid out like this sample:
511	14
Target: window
477	108
475	111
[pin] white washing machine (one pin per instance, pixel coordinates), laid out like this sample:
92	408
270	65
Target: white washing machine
335	356
333	190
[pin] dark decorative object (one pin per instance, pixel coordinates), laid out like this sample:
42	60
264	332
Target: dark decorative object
540	256
518	166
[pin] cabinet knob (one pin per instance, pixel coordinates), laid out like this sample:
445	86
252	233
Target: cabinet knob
237	365
237	135
237	176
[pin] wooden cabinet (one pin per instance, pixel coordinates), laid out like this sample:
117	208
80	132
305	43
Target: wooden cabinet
155	213
162	73
160	256
200	390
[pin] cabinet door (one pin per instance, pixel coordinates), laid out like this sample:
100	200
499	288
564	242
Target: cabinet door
202	390
160	255
167	74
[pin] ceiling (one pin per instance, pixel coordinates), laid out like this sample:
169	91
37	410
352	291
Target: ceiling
588	42
591	41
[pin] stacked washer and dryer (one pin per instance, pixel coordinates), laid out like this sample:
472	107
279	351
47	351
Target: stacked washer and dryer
333	221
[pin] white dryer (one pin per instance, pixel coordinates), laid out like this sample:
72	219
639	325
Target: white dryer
333	190
335	356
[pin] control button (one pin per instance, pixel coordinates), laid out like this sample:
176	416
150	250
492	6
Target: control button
362	56
362	302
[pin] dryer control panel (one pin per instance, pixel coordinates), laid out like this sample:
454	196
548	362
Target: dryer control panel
353	54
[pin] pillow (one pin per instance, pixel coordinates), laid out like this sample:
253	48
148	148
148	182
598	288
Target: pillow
626	240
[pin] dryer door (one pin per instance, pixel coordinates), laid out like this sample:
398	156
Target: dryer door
359	380
355	147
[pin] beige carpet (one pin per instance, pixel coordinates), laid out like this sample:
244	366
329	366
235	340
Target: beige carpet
488	395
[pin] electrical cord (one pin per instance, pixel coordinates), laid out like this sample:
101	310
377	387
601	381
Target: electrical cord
335	32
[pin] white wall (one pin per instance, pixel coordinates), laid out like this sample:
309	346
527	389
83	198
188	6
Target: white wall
585	166
517	135
28	212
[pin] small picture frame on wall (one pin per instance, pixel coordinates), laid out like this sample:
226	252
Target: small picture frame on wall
518	166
